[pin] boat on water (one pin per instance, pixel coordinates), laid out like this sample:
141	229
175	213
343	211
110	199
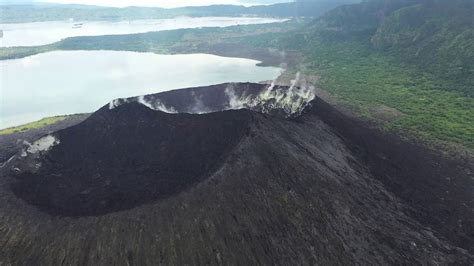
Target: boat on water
77	25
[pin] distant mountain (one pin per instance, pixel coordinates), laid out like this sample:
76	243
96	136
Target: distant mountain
436	35
33	13
305	8
299	1
364	17
266	2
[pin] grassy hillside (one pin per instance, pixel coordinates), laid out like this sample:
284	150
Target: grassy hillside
37	124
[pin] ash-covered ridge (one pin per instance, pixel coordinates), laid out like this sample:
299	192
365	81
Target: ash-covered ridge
270	99
141	149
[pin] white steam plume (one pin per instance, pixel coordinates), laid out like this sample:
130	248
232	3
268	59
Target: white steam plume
235	102
291	100
198	107
114	103
156	105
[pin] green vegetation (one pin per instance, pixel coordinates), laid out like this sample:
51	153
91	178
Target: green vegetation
418	102
38	124
21	52
164	42
437	37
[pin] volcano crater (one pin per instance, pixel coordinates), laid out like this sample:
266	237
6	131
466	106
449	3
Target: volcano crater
131	155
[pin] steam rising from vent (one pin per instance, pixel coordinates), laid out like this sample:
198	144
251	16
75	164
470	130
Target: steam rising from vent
113	104
157	105
291	100
117	102
235	101
199	107
273	99
295	81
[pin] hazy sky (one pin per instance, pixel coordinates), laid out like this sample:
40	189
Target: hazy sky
162	3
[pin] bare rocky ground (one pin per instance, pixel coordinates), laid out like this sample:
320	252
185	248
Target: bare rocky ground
13	142
258	188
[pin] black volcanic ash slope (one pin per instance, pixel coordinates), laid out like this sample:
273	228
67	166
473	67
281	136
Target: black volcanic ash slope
440	192
129	155
239	187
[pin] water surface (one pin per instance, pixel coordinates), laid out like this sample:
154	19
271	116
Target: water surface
40	33
68	82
